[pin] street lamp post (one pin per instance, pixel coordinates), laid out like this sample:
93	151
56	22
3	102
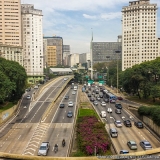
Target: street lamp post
117	68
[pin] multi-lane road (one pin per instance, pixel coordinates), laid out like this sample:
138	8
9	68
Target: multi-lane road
24	133
125	133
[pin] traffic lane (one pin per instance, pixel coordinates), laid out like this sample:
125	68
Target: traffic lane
30	112
17	138
131	133
40	111
50	89
55	134
53	93
61	113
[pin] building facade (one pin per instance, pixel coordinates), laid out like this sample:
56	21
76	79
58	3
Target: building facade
139	42
32	42
84	58
106	51
10	30
57	45
66	53
73	59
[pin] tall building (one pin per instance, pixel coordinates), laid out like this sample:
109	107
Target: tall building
32	42
54	50
84	59
73	59
106	51
139	42
66	53
10	30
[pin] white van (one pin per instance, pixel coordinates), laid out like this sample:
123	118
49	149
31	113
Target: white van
113	132
103	114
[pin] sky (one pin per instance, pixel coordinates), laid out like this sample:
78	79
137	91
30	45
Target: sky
76	20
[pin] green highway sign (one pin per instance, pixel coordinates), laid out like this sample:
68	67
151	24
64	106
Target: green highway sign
90	81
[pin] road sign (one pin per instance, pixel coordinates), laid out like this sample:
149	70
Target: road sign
90	81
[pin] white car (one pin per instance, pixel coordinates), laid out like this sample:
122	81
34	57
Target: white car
73	92
118	123
109	110
35	87
103	104
70	104
28	97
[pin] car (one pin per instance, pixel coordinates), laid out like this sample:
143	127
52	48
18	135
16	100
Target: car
113	132
89	95
93	93
62	105
119	98
103	114
112	101
66	97
103	104
35	87
109	110
123	151
92	99
73	92
139	124
43	150
101	95
65	79
95	103
145	145
70	104
118	106
118	123
28	97
127	123
132	145
118	111
70	114
98	98
106	100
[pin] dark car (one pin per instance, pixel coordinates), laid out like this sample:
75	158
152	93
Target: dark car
118	111
89	95
119	98
127	123
62	105
145	145
118	106
70	114
101	95
139	124
66	97
92	99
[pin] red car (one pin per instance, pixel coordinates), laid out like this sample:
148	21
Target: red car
120	98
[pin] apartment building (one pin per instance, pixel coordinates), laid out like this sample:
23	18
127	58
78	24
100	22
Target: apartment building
55	43
139	42
32	42
73	59
10	30
66	53
84	59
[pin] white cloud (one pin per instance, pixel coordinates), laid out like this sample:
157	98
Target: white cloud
89	17
112	15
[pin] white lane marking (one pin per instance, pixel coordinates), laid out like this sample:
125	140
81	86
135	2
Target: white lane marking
19	137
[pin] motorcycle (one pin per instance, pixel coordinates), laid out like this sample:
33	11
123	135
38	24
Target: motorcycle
63	143
56	149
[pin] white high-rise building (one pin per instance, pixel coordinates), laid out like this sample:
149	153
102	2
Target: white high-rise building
32	41
139	42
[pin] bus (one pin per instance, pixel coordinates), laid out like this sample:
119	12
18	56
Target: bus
109	95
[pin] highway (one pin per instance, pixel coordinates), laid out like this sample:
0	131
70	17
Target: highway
24	133
125	133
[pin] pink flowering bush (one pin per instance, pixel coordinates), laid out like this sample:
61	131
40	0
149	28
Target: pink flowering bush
91	135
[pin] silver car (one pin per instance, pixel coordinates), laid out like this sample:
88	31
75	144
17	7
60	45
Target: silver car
145	145
118	123
43	150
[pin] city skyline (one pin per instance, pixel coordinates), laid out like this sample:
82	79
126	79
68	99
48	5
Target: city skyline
75	21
